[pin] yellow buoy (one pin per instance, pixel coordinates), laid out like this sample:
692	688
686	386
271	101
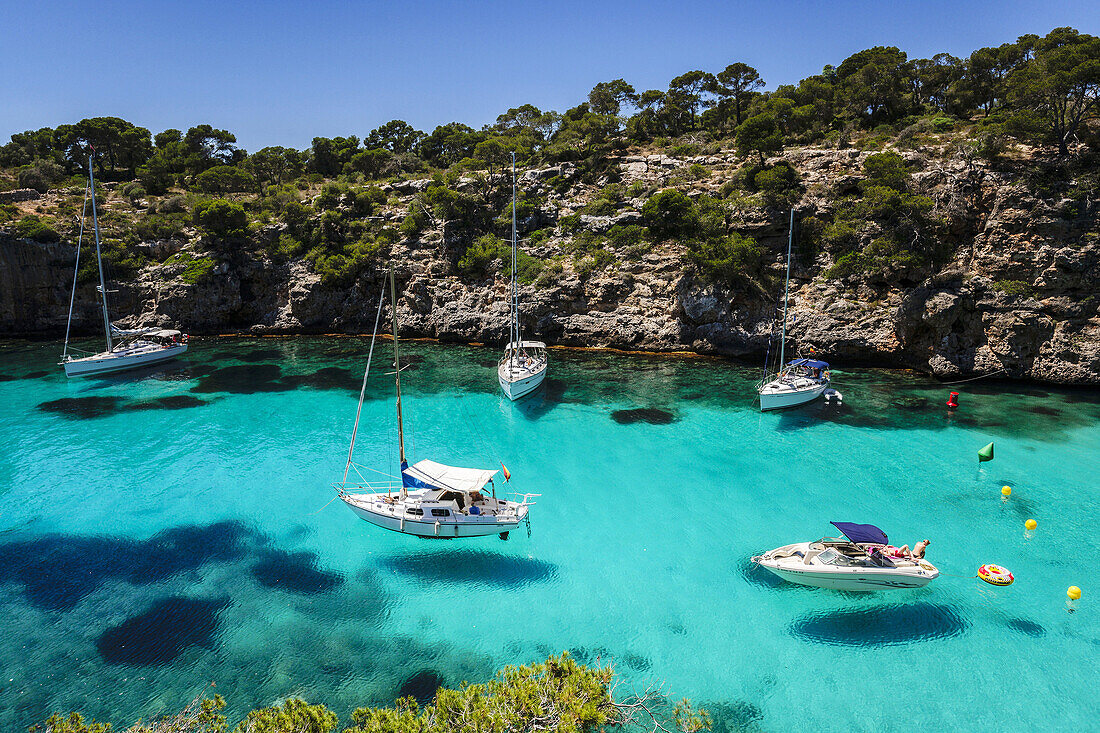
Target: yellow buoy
1031	524
1006	491
1073	593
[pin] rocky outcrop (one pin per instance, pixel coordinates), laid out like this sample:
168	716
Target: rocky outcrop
1020	296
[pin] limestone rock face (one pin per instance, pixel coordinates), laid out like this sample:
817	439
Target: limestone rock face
1020	295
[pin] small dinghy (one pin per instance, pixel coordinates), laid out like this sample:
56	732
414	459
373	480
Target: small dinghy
860	561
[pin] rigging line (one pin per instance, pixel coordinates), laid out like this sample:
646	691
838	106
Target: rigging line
363	389
76	273
357	466
325	506
972	379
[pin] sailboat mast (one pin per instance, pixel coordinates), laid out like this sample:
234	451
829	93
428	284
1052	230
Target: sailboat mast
397	368
99	258
786	288
76	273
514	330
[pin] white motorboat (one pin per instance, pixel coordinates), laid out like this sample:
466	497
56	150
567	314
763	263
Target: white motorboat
431	499
860	561
800	381
136	347
524	364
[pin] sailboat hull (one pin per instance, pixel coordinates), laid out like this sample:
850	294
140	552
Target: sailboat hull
520	382
116	361
791	398
444	528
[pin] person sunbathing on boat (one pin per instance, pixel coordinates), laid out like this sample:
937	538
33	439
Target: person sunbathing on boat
905	553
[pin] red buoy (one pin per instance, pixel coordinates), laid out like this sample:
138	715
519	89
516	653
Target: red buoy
953	400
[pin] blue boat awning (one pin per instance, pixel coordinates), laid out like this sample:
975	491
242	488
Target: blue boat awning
861	532
811	363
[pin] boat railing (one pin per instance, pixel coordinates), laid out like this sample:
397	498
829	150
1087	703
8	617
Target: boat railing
526	501
370	487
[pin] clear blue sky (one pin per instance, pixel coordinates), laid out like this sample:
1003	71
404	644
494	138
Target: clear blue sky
279	73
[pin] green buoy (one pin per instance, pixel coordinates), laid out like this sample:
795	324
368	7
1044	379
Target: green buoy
985	454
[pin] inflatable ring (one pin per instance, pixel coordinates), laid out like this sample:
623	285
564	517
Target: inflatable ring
995	575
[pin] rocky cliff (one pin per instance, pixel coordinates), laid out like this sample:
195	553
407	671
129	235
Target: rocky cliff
1019	293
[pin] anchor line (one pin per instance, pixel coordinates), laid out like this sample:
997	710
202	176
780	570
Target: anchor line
973	379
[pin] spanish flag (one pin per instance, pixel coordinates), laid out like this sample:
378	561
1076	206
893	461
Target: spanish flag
507	476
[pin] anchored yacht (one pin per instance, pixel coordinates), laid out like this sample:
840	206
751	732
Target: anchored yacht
135	347
431	499
800	381
523	366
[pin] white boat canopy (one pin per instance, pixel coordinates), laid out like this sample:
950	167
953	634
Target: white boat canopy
166	334
526	345
437	476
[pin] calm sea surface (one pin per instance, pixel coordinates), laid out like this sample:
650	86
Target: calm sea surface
162	530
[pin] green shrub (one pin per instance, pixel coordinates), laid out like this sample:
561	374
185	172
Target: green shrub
133	191
172	205
197	268
601	207
626	236
595	260
669	213
556	695
121	260
887	169
31	227
479	255
1014	287
570	223
550	271
528	268
847	265
416	221
221	219
698	172
942	124
727	259
290	716
225	179
779	185
340	264
159	226
330	196
39	175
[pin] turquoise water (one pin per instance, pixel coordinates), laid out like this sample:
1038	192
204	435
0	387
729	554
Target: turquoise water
162	530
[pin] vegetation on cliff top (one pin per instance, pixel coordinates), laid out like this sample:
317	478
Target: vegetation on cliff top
558	694
344	201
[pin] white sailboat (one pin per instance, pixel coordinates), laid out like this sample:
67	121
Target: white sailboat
136	347
431	499
801	380
524	364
